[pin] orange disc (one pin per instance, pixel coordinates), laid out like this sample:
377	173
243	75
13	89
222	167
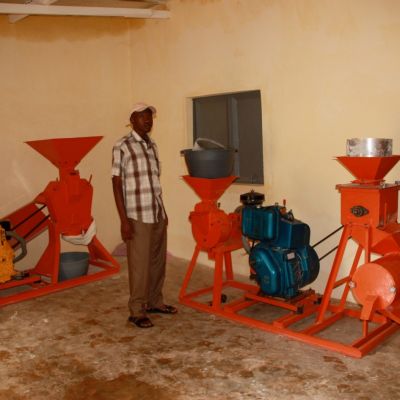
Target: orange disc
380	278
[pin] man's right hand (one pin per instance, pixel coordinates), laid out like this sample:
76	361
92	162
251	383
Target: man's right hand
126	228
126	231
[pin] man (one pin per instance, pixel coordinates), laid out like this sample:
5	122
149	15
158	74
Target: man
137	193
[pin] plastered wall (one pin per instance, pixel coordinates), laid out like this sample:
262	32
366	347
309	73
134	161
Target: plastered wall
327	71
61	77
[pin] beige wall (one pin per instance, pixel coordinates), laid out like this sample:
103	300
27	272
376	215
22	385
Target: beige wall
327	71
61	77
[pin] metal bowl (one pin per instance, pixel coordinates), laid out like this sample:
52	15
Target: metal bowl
369	147
210	163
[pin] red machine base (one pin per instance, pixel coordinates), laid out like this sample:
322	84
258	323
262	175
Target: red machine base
308	310
35	286
29	222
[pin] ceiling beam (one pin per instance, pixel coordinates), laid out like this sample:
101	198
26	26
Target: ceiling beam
41	9
17	17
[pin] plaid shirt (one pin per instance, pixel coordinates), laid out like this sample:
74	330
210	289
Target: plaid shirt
136	162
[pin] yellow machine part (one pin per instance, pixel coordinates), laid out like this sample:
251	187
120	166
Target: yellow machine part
6	258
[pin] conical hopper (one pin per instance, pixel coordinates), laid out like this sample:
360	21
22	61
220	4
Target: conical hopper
65	153
209	189
368	169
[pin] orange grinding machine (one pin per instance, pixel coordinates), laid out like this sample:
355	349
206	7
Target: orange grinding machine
216	233
369	210
63	209
283	263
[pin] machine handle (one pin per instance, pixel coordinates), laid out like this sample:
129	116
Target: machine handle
21	242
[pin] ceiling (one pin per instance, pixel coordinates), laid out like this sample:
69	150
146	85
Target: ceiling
19	9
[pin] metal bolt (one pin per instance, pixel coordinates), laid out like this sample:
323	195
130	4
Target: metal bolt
352	284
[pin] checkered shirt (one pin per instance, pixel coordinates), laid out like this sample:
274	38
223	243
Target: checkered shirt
136	162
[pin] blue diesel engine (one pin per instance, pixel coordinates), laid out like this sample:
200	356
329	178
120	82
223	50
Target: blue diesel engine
282	259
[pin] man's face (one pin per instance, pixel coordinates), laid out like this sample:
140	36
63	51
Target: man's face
142	121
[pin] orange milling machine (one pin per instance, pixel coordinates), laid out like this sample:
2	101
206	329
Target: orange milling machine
369	209
62	209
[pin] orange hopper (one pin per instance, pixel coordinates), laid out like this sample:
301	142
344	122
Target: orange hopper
65	153
70	199
368	169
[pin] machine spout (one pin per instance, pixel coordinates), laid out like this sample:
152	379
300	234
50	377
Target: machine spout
368	170
65	153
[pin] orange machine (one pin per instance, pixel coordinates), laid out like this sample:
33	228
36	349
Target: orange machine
369	218
369	215
63	208
218	234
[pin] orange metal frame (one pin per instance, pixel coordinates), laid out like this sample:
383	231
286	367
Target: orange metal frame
305	306
317	313
68	205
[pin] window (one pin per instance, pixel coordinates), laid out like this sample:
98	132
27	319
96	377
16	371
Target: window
233	120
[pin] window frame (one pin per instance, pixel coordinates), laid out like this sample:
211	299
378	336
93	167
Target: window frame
235	106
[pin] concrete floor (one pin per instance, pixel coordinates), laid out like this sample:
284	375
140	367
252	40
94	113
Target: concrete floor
77	345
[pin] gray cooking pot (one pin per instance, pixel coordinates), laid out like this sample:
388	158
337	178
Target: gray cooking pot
212	162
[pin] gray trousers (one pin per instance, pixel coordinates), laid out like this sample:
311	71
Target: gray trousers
147	252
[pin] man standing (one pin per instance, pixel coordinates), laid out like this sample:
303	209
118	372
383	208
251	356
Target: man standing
137	193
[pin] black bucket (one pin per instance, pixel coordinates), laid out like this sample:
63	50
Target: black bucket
209	163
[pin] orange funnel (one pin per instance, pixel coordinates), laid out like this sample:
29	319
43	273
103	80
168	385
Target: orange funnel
368	169
65	153
209	189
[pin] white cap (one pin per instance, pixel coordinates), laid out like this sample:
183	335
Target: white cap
138	107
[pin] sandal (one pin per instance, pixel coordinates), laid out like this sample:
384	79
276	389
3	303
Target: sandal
141	322
165	309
